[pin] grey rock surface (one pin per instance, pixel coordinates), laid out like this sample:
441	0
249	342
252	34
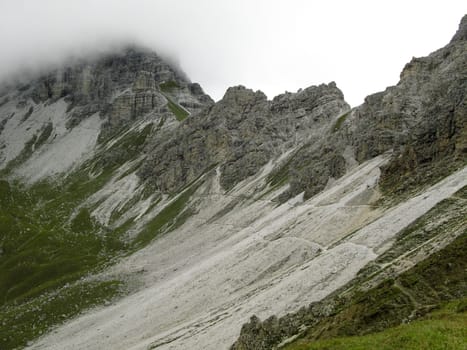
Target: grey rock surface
241	133
422	119
122	87
162	133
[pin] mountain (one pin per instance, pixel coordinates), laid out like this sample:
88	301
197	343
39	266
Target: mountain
422	121
137	213
76	105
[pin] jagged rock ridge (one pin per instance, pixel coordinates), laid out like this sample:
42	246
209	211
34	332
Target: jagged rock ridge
423	120
241	133
105	96
186	193
123	87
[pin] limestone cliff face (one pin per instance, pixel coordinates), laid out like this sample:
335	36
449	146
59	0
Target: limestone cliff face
423	120
98	98
122	87
241	133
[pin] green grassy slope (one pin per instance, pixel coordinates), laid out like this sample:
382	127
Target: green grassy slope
167	88
49	242
445	329
45	253
430	284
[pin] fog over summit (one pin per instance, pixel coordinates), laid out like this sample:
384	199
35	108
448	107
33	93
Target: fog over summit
138	213
268	45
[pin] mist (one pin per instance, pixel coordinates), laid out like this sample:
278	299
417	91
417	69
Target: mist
273	46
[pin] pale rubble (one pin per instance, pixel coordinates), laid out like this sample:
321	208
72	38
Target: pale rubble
249	247
204	280
113	197
17	133
86	102
62	153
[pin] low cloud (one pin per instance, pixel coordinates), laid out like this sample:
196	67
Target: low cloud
269	45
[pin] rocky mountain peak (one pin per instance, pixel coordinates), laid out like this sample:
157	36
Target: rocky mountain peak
247	206
241	96
310	98
106	95
241	133
461	34
122	87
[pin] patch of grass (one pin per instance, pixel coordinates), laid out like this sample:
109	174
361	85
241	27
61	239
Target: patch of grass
161	123
280	176
339	122
444	329
462	306
33	143
42	252
5	193
24	322
402	178
46	247
179	112
136	139
435	281
25	153
448	215
169	218
169	86
82	222
127	148
182	218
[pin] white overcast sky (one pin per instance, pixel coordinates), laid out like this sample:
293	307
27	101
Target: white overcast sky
271	45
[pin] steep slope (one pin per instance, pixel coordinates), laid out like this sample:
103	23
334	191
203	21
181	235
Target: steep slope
64	136
56	120
241	133
74	144
372	305
423	121
205	278
125	186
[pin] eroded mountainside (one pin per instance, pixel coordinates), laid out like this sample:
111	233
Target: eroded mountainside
241	133
124	186
423	120
76	105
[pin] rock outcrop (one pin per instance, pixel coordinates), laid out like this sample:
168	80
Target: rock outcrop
107	95
122	87
423	120
106	157
241	133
